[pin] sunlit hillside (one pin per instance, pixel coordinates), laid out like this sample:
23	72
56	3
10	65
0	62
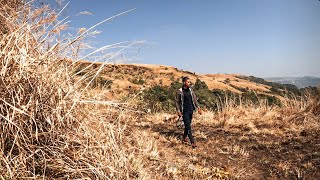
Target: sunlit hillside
141	76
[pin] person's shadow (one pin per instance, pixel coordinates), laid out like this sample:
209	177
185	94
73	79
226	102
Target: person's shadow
167	129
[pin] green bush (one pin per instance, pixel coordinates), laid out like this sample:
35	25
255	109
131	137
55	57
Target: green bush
158	98
226	81
200	85
204	95
162	98
255	98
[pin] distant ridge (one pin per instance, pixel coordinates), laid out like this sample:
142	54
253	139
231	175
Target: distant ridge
300	82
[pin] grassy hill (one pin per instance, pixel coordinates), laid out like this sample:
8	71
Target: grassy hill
141	76
157	84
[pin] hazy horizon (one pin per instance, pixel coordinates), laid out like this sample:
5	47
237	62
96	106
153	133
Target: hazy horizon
259	38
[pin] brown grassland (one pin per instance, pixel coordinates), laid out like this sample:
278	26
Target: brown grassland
125	78
55	125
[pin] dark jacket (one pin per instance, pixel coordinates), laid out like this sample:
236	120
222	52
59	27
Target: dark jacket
179	100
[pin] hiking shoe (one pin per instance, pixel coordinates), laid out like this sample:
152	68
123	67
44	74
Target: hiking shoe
193	145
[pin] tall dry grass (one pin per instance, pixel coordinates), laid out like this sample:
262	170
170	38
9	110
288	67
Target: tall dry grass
45	132
295	114
269	126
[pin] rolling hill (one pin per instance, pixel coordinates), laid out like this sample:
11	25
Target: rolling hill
122	79
156	84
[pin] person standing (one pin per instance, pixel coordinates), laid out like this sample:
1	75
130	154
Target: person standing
186	103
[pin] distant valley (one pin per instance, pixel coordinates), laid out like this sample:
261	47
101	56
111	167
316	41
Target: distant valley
300	82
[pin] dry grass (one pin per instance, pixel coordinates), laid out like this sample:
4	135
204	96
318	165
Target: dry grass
267	135
45	132
245	141
294	114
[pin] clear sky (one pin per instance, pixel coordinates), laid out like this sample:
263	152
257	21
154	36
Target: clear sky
264	38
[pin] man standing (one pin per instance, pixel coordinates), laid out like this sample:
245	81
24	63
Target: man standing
186	103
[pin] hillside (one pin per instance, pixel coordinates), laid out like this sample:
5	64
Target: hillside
125	78
156	84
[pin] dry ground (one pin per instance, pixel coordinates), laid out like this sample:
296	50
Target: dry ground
229	150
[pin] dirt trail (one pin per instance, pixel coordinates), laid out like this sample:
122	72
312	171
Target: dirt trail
233	153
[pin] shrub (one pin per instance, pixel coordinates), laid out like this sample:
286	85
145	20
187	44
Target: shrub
226	81
138	81
162	98
200	85
158	98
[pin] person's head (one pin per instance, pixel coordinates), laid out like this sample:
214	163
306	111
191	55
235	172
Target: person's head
186	82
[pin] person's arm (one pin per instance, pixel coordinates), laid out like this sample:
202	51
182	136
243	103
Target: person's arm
178	103
196	103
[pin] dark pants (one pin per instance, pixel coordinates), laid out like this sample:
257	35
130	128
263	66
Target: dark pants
187	119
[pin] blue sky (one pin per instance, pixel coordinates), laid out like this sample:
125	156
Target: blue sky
264	38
